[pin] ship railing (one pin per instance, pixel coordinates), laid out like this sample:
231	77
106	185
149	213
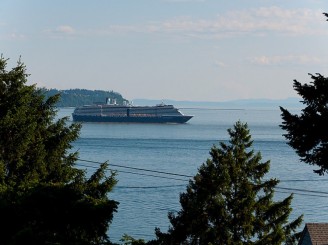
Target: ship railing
113	115
142	115
136	115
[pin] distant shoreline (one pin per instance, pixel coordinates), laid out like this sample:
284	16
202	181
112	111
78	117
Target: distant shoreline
263	104
290	103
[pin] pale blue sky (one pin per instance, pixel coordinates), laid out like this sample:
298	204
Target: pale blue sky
201	50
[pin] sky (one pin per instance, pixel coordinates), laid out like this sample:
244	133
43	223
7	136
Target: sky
193	50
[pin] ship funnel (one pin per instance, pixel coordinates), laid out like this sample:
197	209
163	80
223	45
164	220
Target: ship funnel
108	101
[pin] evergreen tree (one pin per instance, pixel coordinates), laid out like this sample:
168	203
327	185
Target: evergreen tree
307	133
80	97
228	202
44	199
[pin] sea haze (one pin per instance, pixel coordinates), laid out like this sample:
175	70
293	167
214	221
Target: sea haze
290	103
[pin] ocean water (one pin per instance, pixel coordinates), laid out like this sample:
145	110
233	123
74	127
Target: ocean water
146	197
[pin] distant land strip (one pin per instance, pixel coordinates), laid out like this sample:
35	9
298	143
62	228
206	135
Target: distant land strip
79	97
211	109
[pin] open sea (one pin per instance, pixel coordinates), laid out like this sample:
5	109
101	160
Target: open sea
146	197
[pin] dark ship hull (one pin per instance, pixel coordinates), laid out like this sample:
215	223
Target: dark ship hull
132	119
129	114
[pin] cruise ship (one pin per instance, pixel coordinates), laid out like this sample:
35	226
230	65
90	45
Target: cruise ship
112	112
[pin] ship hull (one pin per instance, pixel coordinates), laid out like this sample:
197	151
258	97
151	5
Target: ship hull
126	119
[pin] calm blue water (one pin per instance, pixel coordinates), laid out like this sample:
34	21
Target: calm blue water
147	197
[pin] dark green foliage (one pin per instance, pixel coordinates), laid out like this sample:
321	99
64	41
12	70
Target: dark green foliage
80	97
228	202
307	133
44	199
128	240
76	213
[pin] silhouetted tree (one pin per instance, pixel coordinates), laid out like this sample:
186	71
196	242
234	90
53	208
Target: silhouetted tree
44	199
307	133
228	202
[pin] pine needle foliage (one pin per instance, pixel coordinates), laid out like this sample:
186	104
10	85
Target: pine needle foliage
44	199
229	202
307	133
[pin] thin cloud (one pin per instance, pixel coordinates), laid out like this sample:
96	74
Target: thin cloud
65	29
8	34
257	22
286	59
220	64
13	36
254	21
61	31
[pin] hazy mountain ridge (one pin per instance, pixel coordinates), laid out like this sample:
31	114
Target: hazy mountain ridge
290	103
79	97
